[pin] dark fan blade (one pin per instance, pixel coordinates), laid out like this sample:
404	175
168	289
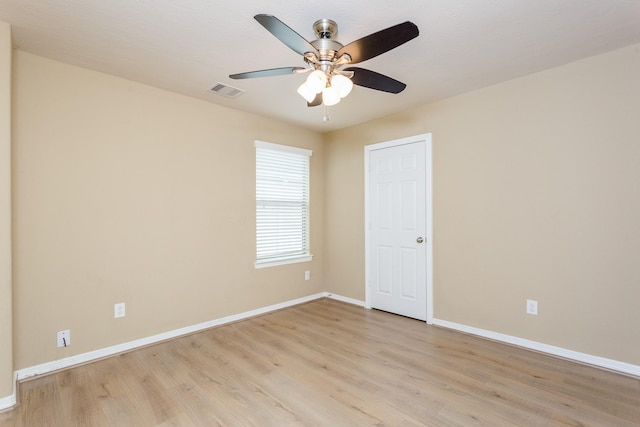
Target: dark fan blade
266	73
316	101
285	34
378	43
373	80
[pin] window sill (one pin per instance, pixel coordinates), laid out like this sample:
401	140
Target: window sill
283	261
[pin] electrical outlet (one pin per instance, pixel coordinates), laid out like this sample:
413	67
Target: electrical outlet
532	307
118	310
307	275
64	338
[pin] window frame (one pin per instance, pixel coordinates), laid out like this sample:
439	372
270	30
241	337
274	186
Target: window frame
291	259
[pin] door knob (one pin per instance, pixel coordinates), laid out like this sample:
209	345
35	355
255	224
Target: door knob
419	240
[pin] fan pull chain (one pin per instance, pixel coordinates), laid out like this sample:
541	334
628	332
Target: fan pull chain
326	117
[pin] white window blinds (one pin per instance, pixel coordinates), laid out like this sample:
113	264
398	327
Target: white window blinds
282	203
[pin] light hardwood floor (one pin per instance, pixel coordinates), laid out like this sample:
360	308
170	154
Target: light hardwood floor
327	363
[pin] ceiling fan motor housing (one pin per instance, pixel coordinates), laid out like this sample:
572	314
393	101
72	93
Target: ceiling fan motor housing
325	28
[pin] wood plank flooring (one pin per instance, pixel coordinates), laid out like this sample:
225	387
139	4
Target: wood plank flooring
327	363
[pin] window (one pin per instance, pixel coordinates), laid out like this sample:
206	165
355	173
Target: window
282	204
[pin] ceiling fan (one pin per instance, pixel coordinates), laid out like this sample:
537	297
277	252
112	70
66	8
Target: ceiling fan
331	76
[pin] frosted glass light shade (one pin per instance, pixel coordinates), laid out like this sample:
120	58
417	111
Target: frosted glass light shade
330	96
306	92
317	81
342	84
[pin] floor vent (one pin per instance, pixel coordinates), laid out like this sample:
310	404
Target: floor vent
228	91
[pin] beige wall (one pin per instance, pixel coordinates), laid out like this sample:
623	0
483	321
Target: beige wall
535	196
6	354
127	193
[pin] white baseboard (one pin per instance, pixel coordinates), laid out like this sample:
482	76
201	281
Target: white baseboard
45	368
345	299
8	402
68	362
614	365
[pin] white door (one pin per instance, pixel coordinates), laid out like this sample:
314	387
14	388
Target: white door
398	232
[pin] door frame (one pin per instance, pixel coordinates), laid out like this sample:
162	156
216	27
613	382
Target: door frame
426	139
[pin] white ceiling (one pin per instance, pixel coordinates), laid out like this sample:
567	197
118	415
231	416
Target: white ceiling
187	46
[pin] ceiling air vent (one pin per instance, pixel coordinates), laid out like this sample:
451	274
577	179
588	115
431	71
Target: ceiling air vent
225	90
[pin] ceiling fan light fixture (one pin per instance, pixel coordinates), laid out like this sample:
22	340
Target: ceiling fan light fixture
330	96
306	93
342	84
317	81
